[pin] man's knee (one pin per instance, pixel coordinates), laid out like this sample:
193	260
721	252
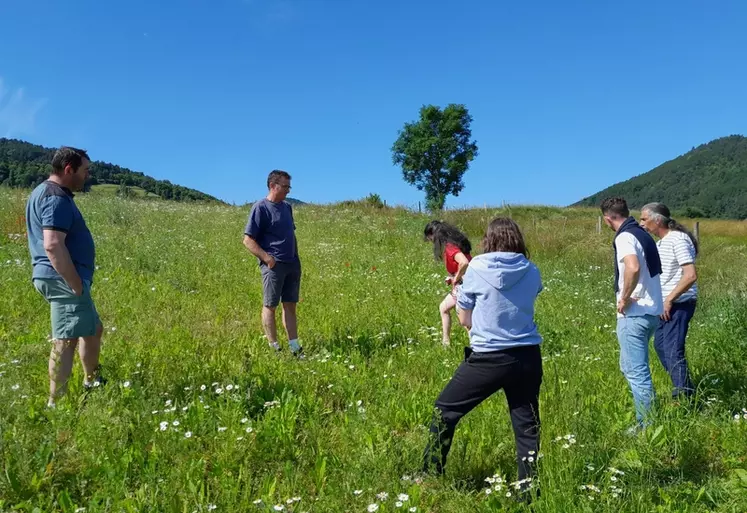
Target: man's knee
447	416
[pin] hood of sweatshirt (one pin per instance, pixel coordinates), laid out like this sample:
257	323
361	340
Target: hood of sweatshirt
500	270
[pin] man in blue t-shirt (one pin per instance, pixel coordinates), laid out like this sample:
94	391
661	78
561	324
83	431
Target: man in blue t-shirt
270	236
62	254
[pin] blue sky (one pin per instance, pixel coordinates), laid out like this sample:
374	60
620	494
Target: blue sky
567	97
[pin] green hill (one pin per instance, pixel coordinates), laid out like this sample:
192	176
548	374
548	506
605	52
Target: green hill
708	181
23	164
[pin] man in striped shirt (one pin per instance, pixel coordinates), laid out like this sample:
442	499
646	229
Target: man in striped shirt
677	250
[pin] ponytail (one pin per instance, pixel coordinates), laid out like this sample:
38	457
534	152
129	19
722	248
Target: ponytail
676	226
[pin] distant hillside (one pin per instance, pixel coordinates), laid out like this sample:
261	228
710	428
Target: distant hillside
708	181
23	164
296	202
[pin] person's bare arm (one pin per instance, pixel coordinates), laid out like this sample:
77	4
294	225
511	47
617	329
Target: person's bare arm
59	257
465	318
258	252
463	264
689	277
630	279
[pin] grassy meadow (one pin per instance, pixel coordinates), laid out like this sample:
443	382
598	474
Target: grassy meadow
199	415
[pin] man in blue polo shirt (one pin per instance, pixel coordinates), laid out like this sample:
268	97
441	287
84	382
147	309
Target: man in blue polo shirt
62	254
270	236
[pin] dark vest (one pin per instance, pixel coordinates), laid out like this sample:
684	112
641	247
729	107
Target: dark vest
650	251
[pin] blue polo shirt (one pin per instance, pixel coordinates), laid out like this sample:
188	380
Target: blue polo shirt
51	207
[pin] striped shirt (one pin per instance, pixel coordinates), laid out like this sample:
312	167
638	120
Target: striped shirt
675	250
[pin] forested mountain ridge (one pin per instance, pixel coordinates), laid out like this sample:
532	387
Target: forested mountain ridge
707	181
23	164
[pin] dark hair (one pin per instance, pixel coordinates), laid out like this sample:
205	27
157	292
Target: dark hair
68	156
616	206
661	215
275	176
443	233
504	235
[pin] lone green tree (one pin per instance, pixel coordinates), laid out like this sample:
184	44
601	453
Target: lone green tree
435	152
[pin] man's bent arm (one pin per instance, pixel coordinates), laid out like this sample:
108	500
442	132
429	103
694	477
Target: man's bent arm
59	257
630	276
255	249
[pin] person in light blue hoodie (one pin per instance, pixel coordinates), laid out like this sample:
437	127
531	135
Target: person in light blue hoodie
496	305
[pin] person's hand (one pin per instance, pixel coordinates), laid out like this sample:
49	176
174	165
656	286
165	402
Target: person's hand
270	262
623	304
667	315
77	287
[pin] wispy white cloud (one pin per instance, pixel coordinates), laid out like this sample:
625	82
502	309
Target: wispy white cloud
273	12
17	111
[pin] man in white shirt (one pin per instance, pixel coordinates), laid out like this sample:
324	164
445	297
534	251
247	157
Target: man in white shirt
678	250
639	300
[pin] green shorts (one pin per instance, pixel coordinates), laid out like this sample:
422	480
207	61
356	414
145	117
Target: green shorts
72	316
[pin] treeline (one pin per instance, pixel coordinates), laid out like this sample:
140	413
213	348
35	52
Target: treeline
708	181
23	164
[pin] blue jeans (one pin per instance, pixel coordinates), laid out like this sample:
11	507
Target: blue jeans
633	334
669	341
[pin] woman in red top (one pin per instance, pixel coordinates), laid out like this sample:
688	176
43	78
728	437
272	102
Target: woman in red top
453	248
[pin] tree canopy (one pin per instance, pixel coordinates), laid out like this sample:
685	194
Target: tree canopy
435	151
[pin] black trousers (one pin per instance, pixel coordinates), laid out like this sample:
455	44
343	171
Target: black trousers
518	371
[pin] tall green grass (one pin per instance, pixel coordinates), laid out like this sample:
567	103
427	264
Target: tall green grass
198	414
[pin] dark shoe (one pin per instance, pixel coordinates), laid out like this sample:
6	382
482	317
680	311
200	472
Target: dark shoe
299	354
98	381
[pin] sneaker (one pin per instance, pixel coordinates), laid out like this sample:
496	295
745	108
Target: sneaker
98	381
299	354
634	430
275	346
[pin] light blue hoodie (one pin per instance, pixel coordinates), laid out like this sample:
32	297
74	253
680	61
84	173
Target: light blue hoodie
501	289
